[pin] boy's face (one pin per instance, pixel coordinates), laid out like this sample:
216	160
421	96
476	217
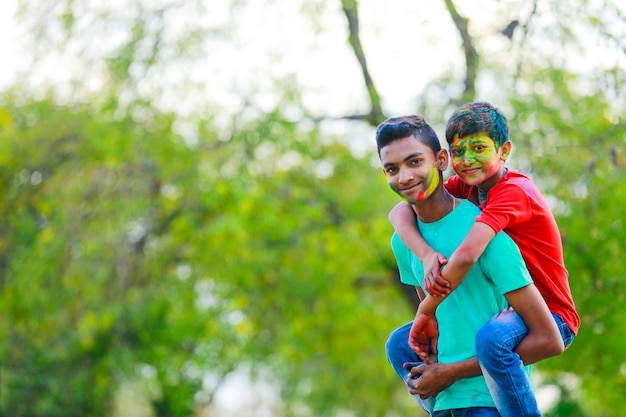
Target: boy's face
412	168
476	159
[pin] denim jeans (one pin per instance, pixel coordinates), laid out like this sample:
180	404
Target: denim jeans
468	412
503	369
399	353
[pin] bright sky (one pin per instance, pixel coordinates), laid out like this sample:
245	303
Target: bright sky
403	51
8	50
408	44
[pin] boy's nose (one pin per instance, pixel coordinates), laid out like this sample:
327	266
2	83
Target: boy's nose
466	159
405	176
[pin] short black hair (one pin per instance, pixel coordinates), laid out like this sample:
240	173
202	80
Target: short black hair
475	118
401	127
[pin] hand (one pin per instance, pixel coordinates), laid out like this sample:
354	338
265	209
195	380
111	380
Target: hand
434	283
429	380
424	335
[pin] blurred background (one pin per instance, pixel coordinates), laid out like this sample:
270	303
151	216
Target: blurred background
194	219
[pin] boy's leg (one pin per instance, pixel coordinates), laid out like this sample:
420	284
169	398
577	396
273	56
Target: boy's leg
469	412
566	333
479	412
398	353
508	382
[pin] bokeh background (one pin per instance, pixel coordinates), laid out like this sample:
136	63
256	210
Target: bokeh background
193	220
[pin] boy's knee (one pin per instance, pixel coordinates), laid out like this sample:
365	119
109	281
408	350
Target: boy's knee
395	339
391	345
484	341
490	340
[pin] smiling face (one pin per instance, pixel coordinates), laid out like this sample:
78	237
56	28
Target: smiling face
477	160
412	169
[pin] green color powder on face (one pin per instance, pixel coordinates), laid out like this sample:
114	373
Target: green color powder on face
476	159
473	148
432	181
398	192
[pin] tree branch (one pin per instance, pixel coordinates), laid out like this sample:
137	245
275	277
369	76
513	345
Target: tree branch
350	8
471	55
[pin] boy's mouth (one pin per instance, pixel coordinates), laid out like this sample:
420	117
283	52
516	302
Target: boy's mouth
470	171
409	188
404	191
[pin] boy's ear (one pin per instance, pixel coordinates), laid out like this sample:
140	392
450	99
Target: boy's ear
442	158
505	150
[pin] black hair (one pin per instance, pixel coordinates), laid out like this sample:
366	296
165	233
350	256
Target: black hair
396	128
478	117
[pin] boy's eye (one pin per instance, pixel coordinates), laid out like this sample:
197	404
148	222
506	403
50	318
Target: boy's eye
415	161
480	148
457	152
390	170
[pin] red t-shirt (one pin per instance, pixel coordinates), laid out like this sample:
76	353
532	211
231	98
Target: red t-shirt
516	206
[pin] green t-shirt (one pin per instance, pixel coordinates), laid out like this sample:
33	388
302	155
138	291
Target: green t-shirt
480	296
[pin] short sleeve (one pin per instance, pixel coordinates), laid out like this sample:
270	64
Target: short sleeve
503	264
409	266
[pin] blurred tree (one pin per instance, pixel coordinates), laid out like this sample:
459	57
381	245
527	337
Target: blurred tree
351	10
90	293
159	252
575	143
131	256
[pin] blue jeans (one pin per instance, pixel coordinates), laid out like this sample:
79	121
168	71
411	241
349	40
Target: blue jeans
399	353
503	369
468	412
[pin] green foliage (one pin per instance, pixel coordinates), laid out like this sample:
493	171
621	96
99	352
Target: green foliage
575	143
88	284
127	252
303	258
138	262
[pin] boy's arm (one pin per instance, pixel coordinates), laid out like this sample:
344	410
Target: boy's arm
420	293
461	261
402	218
424	334
509	205
464	257
429	380
542	341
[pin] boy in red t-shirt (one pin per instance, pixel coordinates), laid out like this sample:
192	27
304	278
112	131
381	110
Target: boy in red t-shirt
477	134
